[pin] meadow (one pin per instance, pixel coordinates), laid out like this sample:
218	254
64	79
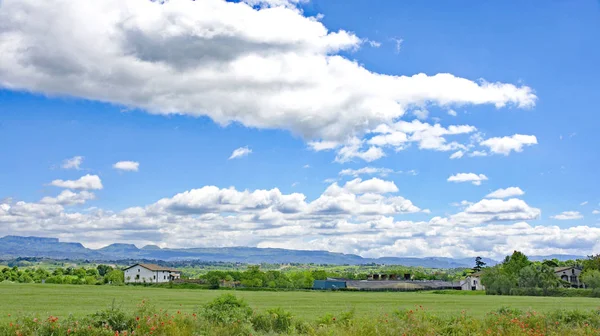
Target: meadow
81	300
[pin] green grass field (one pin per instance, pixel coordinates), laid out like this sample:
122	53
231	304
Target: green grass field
62	300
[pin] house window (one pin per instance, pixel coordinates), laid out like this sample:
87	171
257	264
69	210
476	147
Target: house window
137	277
573	271
154	277
138	270
164	277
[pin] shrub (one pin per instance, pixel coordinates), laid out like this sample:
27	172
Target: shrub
113	317
344	318
276	320
508	311
227	309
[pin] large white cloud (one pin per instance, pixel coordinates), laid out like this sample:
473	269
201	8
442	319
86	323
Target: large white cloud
266	68
338	220
85	182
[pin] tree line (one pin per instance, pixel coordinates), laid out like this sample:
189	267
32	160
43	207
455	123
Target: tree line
517	275
102	274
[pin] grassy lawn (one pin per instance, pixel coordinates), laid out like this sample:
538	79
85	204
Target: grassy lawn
62	300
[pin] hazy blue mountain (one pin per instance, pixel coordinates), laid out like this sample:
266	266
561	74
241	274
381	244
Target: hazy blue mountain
15	246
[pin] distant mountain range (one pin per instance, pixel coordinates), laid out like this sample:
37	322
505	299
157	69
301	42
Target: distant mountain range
16	246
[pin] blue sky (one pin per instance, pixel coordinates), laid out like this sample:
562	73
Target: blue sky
176	88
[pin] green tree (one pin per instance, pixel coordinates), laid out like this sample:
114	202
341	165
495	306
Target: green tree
591	279
479	264
496	281
515	263
103	269
214	282
592	263
116	277
538	276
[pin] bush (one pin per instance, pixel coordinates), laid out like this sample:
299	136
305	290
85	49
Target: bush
227	309
113	317
345	318
276	320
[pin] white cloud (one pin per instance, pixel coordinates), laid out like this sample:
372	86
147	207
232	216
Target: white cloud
354	149
507	144
337	220
495	210
452	113
85	182
468	177
275	3
67	197
596	212
127	166
306	166
366	171
505	193
478	153
584	203
272	68
240	152
374	44
568	215
398	42
400	134
374	185
318	146
421	114
463	203
457	155
73	163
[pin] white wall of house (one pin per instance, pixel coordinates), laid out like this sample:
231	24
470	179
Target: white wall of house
471	283
139	274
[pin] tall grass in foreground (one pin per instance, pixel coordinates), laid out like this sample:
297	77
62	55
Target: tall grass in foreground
228	315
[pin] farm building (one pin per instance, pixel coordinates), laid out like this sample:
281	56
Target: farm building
472	282
384	285
150	273
329	284
569	274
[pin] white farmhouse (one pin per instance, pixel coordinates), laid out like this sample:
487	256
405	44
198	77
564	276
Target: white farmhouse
472	282
150	273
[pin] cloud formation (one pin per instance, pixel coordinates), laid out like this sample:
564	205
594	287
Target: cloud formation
131	166
240	152
67	197
72	163
568	215
263	64
85	182
507	144
505	193
468	177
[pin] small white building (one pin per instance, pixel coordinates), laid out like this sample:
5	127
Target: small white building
150	273
472	282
